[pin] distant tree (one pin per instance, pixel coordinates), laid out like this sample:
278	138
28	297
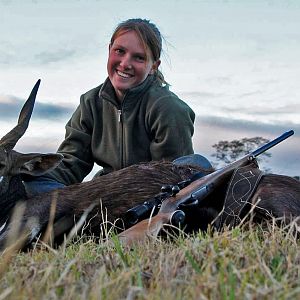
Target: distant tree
229	151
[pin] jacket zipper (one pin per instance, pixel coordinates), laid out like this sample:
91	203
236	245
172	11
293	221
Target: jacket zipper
120	113
121	137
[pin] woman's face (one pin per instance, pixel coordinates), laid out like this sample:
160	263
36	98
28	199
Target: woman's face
128	64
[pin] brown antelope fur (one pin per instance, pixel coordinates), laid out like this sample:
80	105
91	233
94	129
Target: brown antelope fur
277	196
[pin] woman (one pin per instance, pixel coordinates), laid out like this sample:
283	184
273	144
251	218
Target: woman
132	117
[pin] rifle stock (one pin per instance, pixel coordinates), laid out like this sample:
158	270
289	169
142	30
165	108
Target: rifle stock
196	190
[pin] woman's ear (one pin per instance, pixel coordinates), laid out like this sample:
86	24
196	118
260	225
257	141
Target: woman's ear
155	67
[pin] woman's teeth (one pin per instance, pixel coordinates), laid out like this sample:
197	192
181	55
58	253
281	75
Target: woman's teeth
123	74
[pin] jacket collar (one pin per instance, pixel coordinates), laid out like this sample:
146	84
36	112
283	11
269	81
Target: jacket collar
132	95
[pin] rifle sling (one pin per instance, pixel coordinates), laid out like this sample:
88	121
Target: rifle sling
243	184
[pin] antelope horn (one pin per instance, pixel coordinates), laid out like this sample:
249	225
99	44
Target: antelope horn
9	141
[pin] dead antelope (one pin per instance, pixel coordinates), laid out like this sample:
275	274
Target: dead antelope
13	164
113	194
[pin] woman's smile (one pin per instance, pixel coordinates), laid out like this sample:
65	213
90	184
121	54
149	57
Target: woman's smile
124	75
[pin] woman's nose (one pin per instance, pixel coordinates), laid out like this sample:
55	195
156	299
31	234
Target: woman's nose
126	62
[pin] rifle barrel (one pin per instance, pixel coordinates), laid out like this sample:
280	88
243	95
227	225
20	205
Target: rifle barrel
272	143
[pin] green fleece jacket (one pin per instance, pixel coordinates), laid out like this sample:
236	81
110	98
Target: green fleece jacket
151	123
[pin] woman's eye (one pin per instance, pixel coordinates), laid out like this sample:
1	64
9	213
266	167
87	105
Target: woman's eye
140	58
119	51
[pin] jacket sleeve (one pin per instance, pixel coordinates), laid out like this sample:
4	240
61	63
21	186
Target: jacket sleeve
172	126
76	148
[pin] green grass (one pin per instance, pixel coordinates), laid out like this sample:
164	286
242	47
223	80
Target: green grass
250	262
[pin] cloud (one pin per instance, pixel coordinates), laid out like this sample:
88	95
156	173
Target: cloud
200	95
5	57
251	105
11	57
222	80
244	125
10	107
290	108
46	57
250	94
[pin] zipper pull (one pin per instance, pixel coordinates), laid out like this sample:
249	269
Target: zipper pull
119	114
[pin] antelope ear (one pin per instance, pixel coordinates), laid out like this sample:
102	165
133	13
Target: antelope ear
36	164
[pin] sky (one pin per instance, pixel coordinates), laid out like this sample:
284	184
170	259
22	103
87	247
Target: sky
236	63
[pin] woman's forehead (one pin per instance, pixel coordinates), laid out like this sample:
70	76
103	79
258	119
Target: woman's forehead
130	39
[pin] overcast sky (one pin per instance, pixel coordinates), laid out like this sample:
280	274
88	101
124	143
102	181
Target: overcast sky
236	63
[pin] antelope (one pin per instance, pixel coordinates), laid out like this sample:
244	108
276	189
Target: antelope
113	193
13	164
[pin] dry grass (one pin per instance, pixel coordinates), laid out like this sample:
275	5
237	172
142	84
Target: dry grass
243	263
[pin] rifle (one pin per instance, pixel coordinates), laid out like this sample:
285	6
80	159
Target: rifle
192	191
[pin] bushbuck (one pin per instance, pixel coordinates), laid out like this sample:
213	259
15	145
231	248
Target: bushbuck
107	197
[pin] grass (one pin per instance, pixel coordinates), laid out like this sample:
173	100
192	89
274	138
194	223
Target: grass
249	262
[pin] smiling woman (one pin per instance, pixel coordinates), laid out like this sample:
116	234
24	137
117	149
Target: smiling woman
132	117
129	63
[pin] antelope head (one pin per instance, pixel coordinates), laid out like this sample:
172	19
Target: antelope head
13	163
